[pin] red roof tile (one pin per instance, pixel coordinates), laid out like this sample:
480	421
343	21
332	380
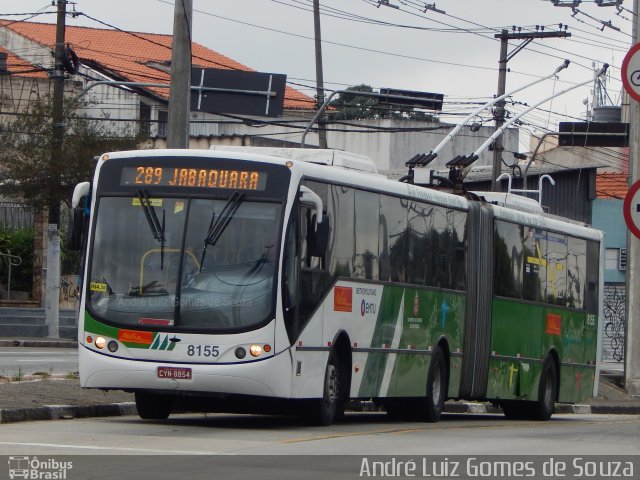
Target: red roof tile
18	66
611	185
129	55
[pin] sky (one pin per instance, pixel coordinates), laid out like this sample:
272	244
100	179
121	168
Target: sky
449	50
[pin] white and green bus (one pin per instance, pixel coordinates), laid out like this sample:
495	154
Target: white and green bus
293	280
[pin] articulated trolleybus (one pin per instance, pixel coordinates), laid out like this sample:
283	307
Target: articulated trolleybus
292	280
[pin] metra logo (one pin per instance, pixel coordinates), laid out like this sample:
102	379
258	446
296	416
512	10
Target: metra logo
133	336
343	299
164	343
366	307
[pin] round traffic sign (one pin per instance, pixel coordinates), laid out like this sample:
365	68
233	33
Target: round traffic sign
632	209
631	72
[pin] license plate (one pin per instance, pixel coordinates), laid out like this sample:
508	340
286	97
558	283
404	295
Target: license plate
178	373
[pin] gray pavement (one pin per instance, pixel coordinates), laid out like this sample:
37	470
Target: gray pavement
56	396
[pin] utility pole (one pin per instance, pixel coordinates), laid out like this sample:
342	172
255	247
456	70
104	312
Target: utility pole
504	37
632	333
180	93
322	130
52	279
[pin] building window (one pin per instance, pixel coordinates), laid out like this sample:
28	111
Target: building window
615	259
145	119
163	117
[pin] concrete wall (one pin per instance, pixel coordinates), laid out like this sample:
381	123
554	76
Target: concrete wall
608	217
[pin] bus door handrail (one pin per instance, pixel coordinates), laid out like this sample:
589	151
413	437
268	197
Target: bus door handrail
12	261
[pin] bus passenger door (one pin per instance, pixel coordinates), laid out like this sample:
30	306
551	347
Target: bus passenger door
306	281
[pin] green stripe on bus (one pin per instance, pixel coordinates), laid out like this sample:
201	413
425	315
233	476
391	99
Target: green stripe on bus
382	335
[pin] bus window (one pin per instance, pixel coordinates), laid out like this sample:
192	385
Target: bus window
576	272
508	253
341	242
420	243
556	269
458	223
393	239
592	273
365	264
534	279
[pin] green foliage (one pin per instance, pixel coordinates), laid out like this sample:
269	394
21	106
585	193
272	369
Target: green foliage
18	243
26	145
351	106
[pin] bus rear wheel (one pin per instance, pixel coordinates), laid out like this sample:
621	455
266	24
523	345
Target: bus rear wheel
437	385
152	406
547	392
543	408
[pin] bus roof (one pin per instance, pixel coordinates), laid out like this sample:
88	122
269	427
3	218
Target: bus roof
322	156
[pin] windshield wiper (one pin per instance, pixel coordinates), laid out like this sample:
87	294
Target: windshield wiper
218	225
157	230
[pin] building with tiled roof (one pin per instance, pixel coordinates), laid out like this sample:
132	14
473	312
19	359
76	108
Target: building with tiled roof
114	55
612	185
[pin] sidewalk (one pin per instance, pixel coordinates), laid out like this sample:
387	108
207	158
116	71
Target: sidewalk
49	397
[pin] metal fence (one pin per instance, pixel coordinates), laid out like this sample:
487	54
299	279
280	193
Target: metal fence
14	216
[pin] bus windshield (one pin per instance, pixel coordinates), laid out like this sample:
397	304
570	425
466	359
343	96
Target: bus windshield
192	263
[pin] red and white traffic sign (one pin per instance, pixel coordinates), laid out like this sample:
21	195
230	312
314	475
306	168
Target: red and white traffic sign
631	72
632	209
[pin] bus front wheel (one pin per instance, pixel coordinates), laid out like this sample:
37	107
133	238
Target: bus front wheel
152	406
325	410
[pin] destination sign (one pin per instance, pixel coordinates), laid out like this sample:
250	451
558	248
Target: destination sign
212	178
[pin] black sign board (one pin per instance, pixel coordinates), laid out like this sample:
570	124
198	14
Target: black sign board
593	134
235	91
426	100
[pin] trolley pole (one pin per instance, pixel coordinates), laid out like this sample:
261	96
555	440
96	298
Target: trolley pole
632	334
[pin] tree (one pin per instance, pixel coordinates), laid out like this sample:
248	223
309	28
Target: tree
28	171
351	106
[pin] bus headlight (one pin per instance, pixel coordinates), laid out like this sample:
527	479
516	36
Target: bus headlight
255	350
241	353
100	342
112	346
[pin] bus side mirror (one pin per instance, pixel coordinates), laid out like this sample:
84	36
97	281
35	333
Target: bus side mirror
77	227
320	238
78	217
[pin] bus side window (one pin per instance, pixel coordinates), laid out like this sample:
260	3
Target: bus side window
315	279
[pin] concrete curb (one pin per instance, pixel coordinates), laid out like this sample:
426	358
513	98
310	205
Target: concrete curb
61	343
66	412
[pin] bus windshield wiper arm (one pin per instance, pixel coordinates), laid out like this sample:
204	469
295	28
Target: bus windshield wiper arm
157	230
218	225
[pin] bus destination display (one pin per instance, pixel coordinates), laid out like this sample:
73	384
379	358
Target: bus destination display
193	177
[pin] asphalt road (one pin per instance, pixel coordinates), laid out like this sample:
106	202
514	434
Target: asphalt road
359	434
17	361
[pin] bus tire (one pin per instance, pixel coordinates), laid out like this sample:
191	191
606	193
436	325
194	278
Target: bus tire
153	406
543	408
437	385
325	410
547	392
